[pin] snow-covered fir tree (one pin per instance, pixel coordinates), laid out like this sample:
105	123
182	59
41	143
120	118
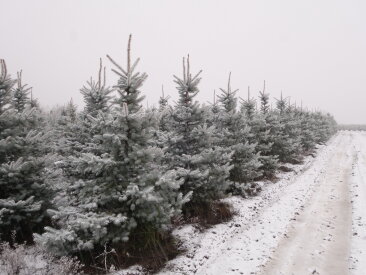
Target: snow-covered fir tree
237	136
6	84
33	102
25	193
264	100
20	95
119	186
262	131
71	110
72	130
96	94
163	100
308	130
214	111
165	113
264	126
193	148
326	126
287	140
215	107
248	106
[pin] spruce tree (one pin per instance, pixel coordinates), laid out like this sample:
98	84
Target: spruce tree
248	106
265	126
71	110
6	84
287	143
308	131
165	113
25	193
237	136
20	95
261	132
163	100
214	112
33	102
73	131
119	186
264	100
70	131
96	94
215	105
194	151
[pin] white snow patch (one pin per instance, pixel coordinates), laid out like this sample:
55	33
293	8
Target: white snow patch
358	194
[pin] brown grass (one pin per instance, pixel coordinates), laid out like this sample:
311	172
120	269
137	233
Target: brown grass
148	248
285	169
206	214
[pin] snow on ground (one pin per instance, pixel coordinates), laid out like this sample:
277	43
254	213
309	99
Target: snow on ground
358	199
318	241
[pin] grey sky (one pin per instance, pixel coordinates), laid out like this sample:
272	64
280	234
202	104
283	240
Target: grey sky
312	50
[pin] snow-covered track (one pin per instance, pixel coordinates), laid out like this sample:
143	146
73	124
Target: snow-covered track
265	224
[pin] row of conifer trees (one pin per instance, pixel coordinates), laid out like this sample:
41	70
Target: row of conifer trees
80	181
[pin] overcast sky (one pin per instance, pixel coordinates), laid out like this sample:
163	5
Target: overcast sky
313	50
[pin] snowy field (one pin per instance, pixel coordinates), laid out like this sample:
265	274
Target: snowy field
312	221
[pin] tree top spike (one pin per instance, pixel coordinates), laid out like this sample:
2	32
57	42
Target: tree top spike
129	53
19	79
100	73
229	84
188	67
3	68
184	69
104	78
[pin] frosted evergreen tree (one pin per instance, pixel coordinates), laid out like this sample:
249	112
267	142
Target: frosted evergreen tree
308	131
248	106
73	131
265	127
25	195
228	98
120	186
264	101
287	143
165	113
262	131
281	104
163	100
213	112
237	136
71	110
324	126
96	94
200	162
215	107
20	95
6	84
33	102
163	131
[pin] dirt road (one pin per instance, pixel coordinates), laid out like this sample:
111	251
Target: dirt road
318	240
313	221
